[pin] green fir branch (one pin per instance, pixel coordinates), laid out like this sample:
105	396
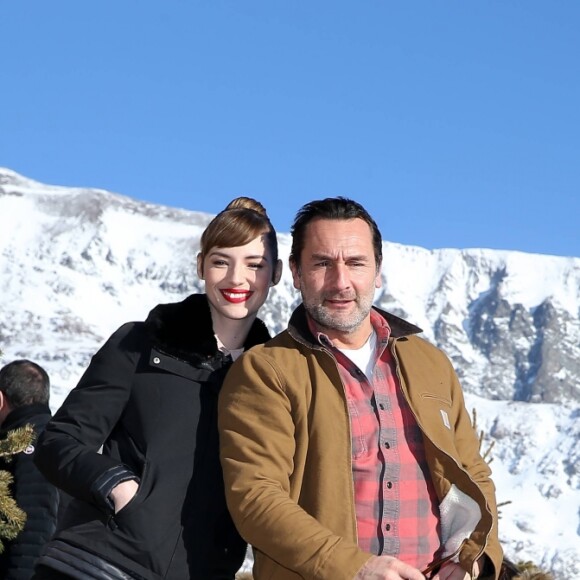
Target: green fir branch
12	518
16	441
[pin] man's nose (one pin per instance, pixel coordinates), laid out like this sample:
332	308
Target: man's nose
340	278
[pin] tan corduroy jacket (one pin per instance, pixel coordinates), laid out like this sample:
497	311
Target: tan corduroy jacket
286	454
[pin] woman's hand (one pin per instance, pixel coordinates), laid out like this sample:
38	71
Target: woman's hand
123	493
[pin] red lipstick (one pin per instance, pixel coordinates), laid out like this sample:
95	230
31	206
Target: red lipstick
236	296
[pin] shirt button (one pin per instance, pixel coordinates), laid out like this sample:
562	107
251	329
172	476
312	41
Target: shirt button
381	407
389	485
156	360
387	445
388	527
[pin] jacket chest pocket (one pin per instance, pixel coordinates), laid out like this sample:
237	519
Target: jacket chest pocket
163	362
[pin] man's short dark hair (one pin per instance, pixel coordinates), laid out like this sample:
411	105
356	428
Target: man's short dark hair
23	382
332	208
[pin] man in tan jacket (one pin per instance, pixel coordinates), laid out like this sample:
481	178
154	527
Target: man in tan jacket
346	446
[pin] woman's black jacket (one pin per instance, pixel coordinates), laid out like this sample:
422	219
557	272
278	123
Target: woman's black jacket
149	397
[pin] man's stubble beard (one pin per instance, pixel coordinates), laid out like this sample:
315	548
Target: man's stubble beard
326	319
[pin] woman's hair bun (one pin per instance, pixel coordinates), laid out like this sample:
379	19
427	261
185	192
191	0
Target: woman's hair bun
247	203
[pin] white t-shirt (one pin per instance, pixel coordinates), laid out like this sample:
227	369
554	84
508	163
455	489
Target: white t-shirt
363	357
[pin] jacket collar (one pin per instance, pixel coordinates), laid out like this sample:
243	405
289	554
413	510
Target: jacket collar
21	415
184	329
299	330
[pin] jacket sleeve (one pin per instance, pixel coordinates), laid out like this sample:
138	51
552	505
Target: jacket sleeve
39	499
257	451
68	450
468	448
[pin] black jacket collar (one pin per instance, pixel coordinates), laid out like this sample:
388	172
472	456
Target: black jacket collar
22	415
184	329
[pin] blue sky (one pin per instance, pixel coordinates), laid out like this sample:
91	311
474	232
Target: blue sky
456	123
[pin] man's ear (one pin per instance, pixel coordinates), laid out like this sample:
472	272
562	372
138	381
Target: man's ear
5	407
295	269
277	273
200	266
378	277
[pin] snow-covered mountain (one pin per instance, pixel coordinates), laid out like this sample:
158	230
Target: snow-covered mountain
76	263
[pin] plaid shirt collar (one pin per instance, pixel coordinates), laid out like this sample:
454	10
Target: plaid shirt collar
378	322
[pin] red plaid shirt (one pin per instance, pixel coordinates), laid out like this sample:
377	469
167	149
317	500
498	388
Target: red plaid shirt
396	505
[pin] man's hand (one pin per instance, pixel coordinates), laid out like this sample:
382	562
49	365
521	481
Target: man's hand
388	568
123	493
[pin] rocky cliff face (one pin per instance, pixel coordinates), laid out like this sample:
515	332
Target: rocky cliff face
509	321
77	263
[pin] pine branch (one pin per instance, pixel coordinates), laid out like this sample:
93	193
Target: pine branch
12	518
16	441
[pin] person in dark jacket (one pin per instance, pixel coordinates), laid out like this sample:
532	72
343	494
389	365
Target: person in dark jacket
24	396
151	504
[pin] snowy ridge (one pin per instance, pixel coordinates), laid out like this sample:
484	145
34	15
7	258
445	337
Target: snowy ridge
75	263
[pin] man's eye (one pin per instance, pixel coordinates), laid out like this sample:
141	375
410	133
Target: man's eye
219	263
257	266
